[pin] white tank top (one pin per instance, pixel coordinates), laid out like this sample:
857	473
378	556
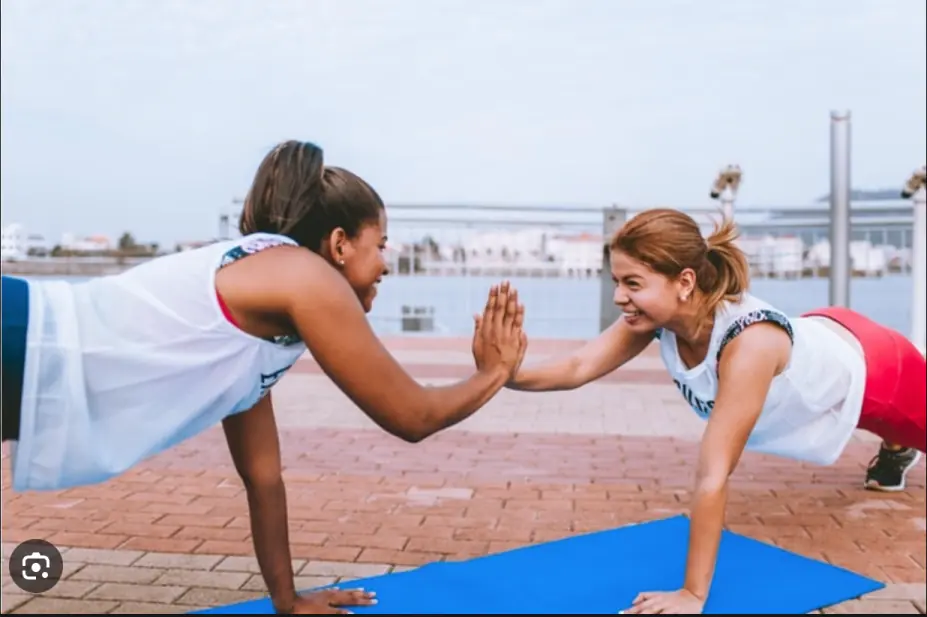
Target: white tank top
123	367
813	406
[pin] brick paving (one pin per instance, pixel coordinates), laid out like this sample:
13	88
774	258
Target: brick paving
173	535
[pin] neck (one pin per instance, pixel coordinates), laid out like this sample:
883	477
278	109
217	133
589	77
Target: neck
689	327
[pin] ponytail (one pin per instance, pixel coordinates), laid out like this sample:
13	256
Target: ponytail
670	241
731	271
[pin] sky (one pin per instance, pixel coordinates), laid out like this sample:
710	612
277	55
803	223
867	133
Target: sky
152	115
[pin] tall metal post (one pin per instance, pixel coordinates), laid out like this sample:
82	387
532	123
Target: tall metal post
612	220
840	182
727	203
223	227
919	271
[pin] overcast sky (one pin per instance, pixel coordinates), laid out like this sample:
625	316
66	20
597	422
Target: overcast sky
151	115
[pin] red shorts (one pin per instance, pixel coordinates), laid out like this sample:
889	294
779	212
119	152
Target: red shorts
895	402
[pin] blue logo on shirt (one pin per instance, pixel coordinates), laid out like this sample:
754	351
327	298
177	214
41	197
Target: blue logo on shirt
269	379
702	408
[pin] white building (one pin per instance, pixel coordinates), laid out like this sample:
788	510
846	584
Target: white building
13	242
578	254
509	246
16	243
88	244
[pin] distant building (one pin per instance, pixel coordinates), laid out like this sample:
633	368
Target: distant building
17	243
13	242
577	254
89	244
882	222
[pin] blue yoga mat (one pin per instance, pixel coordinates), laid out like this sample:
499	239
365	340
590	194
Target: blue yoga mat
601	573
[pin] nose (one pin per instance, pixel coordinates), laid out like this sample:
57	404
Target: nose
620	296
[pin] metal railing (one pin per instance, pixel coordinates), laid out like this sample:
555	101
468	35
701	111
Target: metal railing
445	257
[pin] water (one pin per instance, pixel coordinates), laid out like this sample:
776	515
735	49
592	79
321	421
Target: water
569	308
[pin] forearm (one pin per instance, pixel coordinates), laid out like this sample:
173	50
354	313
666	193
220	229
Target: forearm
270	533
560	374
449	405
707	522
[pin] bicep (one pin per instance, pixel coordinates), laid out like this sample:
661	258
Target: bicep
254	443
615	346
746	370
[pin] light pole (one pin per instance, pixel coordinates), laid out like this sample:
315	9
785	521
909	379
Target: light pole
915	189
840	182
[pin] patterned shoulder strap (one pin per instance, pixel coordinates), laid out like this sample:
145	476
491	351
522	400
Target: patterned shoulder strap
753	317
255	244
251	245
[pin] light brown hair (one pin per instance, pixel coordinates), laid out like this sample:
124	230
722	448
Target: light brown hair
669	241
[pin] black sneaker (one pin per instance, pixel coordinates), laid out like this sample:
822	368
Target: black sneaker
888	469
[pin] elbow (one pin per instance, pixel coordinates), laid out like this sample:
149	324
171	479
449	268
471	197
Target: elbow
574	376
711	484
414	432
415	423
424	423
413	436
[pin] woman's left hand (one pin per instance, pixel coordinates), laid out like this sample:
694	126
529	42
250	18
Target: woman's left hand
679	602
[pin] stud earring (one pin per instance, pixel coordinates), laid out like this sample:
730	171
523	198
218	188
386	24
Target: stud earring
340	262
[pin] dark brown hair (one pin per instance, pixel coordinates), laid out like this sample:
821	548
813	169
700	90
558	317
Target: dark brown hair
669	241
295	195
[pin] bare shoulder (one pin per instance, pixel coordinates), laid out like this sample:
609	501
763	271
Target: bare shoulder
285	261
283	282
762	343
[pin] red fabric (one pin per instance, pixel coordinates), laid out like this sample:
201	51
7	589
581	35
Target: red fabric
895	402
225	310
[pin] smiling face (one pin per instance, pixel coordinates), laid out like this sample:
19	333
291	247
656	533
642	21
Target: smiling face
361	259
648	300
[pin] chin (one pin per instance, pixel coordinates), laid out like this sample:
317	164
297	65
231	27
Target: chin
367	300
366	297
642	323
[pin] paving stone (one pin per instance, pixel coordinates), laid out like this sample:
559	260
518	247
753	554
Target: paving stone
137	593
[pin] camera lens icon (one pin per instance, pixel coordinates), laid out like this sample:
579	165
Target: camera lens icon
35	566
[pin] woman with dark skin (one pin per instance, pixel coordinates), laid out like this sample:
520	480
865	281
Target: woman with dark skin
120	368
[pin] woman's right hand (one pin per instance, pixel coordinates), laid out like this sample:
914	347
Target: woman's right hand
499	342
